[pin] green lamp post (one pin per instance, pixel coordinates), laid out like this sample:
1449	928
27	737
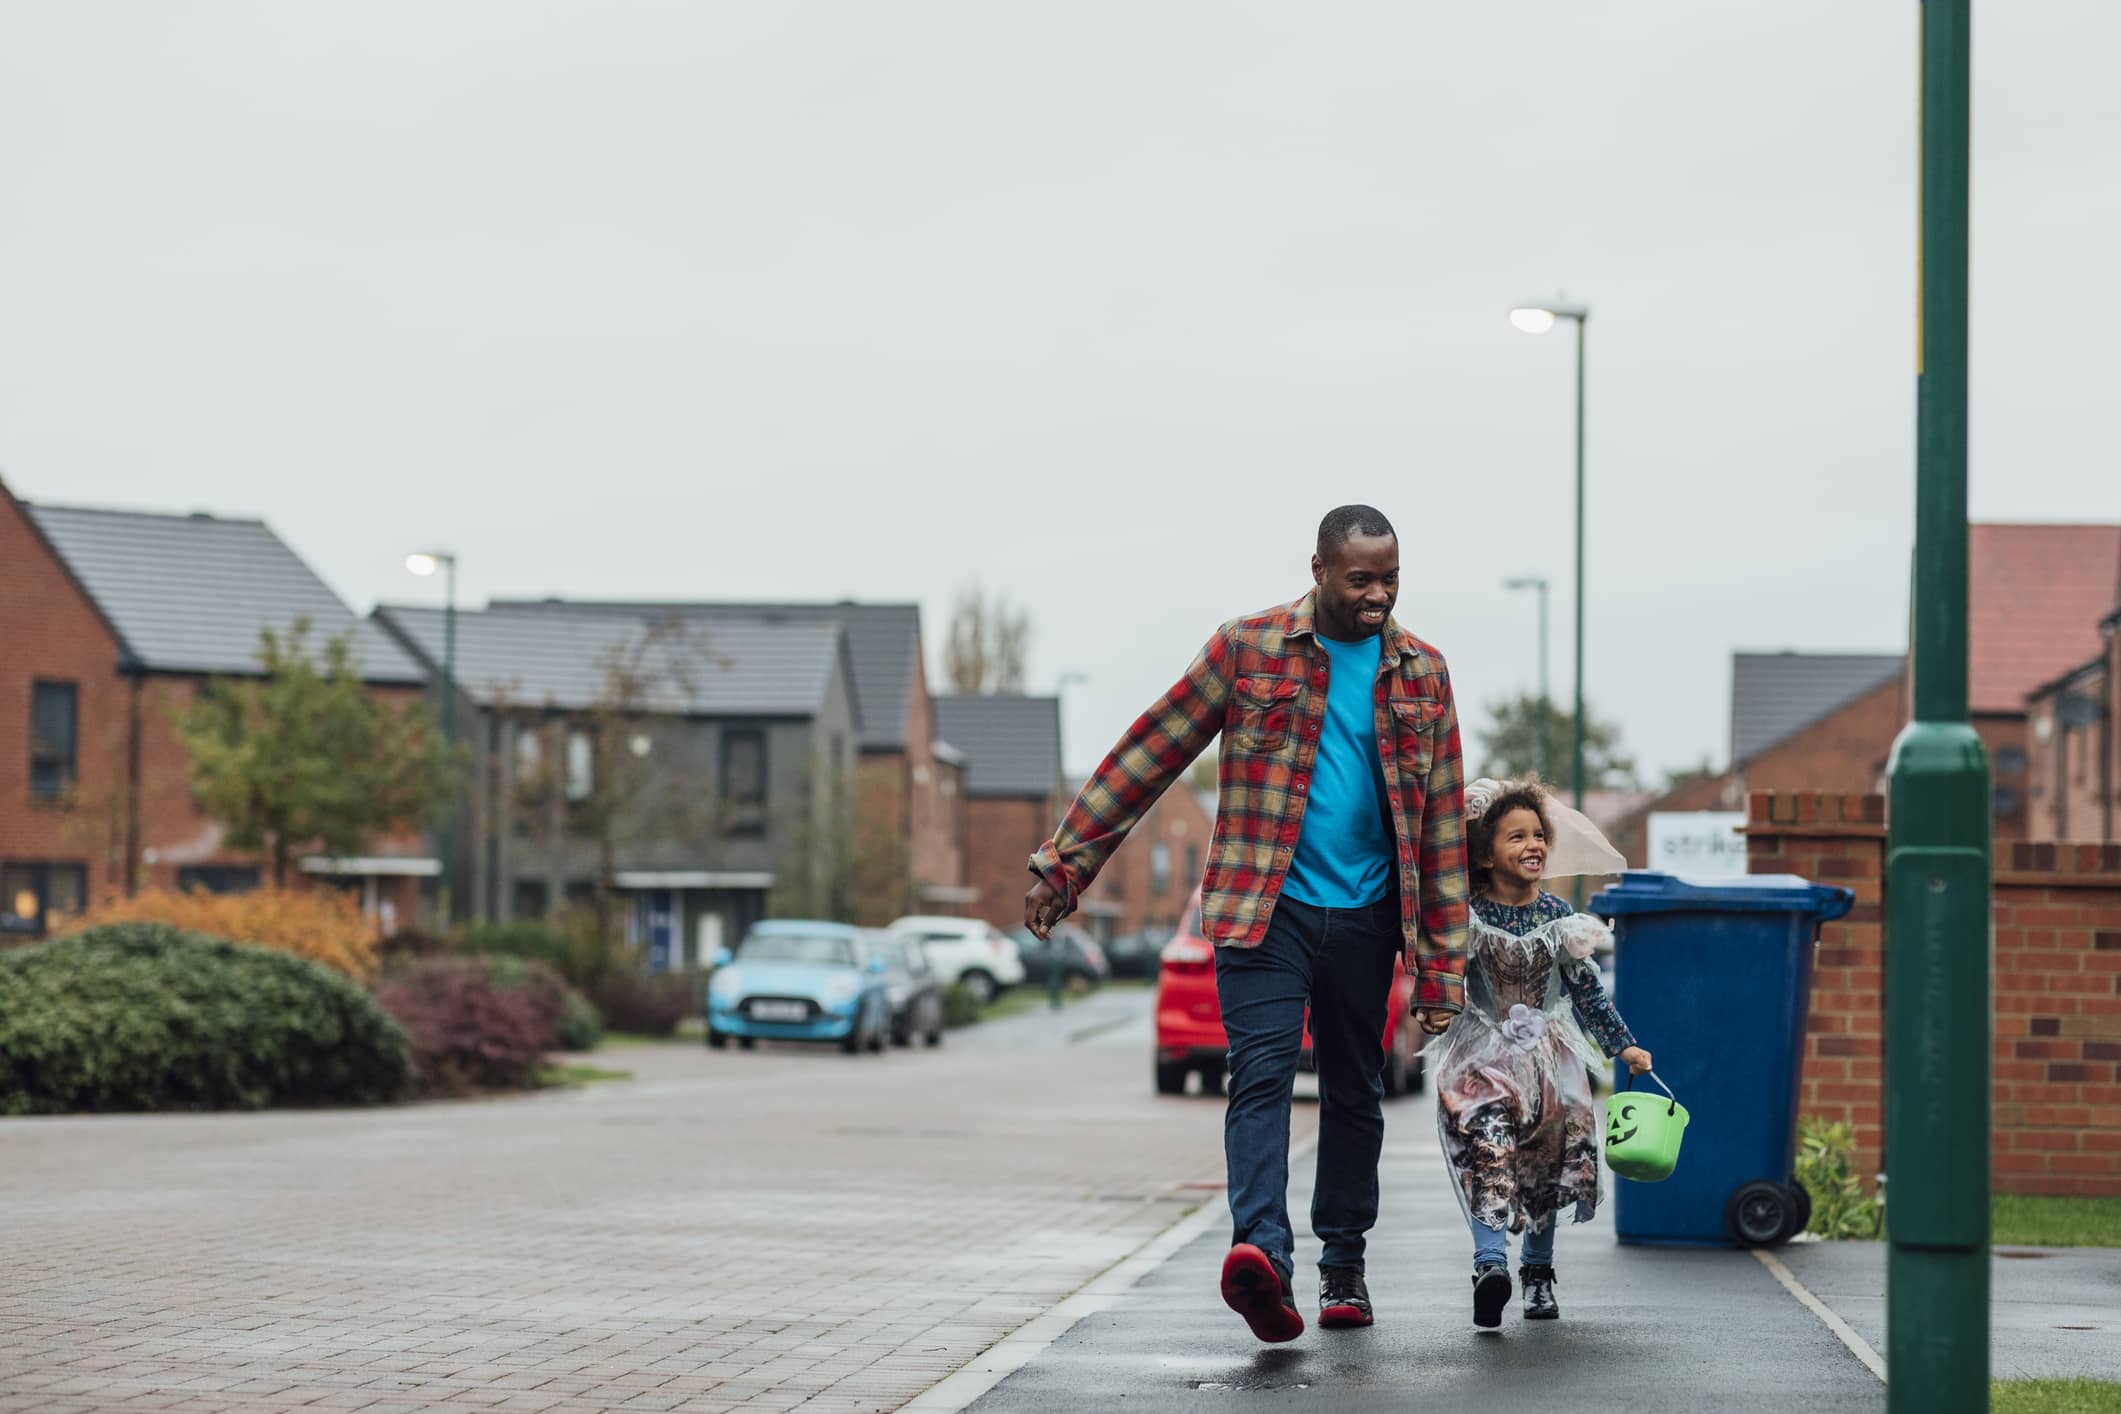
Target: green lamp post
1938	940
1537	317
427	562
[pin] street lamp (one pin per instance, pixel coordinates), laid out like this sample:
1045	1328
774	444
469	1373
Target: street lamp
1546	703
425	563
1537	317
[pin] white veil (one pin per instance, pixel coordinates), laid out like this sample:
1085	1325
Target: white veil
1577	849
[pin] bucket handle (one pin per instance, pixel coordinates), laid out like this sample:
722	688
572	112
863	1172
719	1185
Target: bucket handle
1630	1085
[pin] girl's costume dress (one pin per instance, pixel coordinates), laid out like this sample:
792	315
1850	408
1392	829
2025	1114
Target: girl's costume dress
1520	1130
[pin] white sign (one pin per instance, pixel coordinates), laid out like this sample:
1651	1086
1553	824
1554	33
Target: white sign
1697	843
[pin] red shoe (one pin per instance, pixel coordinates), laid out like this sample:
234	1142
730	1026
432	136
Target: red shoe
1343	1299
1255	1290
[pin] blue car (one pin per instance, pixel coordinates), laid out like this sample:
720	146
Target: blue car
792	980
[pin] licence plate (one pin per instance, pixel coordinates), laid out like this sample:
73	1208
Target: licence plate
779	1011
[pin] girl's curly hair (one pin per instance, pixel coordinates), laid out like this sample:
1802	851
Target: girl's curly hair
1527	794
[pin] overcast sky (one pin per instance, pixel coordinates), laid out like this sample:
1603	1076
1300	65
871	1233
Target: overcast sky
1100	304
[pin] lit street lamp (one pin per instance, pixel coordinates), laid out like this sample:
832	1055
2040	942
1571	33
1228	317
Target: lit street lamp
1537	317
1546	703
424	563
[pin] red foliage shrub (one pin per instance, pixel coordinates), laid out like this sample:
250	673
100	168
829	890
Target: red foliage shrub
470	1029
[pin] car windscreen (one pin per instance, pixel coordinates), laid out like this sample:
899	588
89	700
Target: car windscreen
797	947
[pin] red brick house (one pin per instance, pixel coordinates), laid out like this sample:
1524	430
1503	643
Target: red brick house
1150	878
113	620
1012	752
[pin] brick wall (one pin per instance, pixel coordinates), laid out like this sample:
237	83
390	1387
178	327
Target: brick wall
1000	833
2056	1074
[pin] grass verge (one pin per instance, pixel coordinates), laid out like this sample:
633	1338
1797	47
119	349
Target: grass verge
2054	1397
574	1075
2018	1220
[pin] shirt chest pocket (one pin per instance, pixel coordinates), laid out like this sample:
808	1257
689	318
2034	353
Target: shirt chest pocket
1267	711
1414	734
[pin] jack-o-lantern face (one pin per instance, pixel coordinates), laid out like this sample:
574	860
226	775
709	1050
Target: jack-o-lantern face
1614	1134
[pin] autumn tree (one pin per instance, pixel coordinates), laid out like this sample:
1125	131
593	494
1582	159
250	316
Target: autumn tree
989	639
305	755
1510	746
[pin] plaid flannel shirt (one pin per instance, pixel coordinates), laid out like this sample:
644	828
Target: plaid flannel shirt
1261	683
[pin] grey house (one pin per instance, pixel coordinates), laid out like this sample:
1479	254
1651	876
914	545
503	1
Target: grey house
711	753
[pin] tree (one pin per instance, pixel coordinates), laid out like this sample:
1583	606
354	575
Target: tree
306	755
988	641
1510	746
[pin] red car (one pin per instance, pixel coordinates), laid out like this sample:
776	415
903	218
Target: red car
1189	1019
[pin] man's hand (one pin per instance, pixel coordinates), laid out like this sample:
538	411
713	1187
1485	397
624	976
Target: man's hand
1636	1059
1433	1020
1042	909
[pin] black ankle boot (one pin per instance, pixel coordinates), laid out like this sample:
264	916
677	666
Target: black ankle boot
1539	1302
1491	1293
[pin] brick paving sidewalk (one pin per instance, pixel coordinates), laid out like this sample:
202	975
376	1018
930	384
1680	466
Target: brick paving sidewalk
768	1230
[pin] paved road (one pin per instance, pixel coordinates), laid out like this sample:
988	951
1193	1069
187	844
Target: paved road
1645	1330
761	1230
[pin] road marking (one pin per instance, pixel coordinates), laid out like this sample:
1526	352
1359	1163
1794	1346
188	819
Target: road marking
1023	1345
1858	1346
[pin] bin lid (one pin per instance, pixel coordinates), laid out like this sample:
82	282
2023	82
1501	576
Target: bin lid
1644	891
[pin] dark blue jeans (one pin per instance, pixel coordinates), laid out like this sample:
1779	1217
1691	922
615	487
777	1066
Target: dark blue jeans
1339	960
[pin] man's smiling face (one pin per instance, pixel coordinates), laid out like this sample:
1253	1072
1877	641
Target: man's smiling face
1357	586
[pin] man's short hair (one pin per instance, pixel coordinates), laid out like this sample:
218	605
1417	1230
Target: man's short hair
1343	523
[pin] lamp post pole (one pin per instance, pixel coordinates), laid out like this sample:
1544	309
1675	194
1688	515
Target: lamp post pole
1537	317
1546	703
426	562
1939	943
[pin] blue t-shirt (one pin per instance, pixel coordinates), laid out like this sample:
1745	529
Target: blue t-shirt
1344	853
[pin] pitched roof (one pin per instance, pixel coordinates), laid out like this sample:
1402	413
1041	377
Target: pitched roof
1774	695
736	667
2037	594
1011	744
883	646
190	593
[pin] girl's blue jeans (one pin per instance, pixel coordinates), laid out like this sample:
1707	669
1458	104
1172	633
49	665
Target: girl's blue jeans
1492	1245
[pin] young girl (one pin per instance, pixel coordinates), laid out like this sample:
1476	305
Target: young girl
1520	1132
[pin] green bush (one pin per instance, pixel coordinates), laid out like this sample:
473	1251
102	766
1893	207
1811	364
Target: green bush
1841	1209
960	1006
581	1025
143	1016
534	942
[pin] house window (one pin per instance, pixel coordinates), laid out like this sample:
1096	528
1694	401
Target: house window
530	900
54	721
581	765
36	898
2010	761
1159	867
744	782
1192	865
217	878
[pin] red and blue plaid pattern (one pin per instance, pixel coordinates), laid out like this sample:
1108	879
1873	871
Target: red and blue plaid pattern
1261	683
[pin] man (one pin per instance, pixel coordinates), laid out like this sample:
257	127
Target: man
1339	842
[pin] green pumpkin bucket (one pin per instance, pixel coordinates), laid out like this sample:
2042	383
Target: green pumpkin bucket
1642	1133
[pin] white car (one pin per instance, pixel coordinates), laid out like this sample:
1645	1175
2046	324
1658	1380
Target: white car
964	950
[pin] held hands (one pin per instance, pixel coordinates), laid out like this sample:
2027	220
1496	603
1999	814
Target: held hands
1636	1059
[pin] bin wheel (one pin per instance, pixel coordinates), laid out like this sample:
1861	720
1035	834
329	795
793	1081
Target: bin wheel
1759	1214
1801	1200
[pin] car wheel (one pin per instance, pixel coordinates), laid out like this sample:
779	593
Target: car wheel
980	985
856	1035
935	1037
1212	1079
879	1035
1171	1077
717	1039
748	1042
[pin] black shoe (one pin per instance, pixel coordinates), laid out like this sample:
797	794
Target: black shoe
1256	1288
1491	1292
1539	1302
1343	1298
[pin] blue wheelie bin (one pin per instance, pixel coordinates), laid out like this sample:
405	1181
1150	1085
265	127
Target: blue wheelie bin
1715	976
